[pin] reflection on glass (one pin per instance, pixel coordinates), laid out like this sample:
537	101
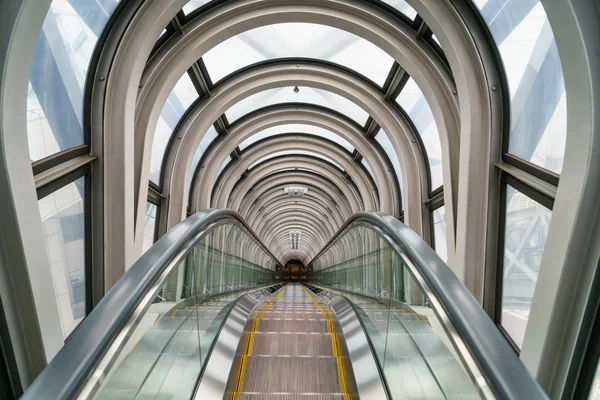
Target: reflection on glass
193	4
207	139
63	219
295	153
412	100
181	97
298	40
58	72
525	235
297	128
403	7
149	227
166	352
305	95
595	391
535	78
439	233
417	357
384	141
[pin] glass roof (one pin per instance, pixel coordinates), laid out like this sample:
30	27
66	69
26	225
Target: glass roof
298	40
403	7
62	55
384	141
412	100
296	153
210	135
182	96
308	95
297	128
535	79
193	4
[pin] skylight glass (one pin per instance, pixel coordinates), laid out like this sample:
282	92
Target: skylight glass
295	153
297	128
384	141
193	4
182	96
403	7
210	135
298	40
412	100
308	95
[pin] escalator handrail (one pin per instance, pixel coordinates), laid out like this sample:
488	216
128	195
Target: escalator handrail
86	348
506	375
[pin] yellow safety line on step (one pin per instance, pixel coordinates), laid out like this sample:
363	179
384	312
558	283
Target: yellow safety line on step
241	373
335	344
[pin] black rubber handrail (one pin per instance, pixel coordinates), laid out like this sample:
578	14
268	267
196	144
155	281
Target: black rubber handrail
506	375
75	363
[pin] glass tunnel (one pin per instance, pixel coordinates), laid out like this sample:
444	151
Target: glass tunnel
265	199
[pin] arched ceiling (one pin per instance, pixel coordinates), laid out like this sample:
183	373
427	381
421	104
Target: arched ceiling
295	115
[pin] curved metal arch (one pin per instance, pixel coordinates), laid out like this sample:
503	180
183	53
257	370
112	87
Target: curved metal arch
280	207
310	241
226	183
248	208
278	197
398	40
310	223
268	230
296	114
282	247
286	166
261	77
298	177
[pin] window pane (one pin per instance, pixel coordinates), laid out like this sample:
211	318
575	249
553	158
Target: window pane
403	7
149	227
63	219
182	96
412	100
524	238
58	72
384	141
296	153
535	78
439	233
193	4
297	128
595	391
298	40
305	95
210	135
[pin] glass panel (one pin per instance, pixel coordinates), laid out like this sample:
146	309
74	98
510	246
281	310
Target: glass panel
525	235
535	78
149	227
305	95
297	128
182	96
173	339
418	358
193	4
209	136
58	72
439	233
295	153
412	100
298	40
63	219
384	141
595	391
403	7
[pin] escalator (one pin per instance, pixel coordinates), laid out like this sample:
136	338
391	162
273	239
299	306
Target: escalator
202	315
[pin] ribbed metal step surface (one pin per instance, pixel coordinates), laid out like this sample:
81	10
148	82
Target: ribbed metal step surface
292	353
